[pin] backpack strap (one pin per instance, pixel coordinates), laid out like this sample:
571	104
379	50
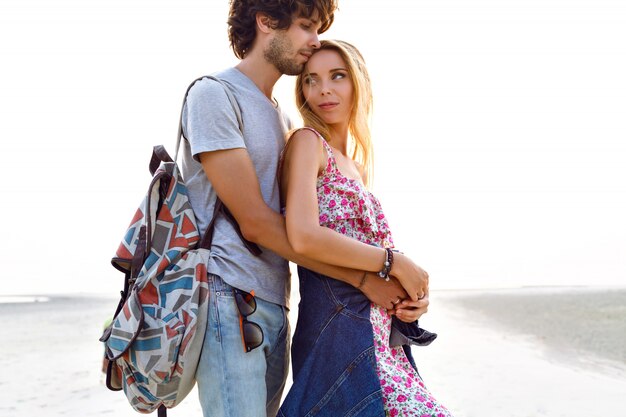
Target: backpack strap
207	239
159	154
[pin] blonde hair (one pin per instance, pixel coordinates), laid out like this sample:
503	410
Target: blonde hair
360	148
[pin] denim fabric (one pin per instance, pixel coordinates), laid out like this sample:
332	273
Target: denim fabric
333	359
409	334
231	381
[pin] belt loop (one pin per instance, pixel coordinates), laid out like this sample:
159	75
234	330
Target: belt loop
213	284
218	284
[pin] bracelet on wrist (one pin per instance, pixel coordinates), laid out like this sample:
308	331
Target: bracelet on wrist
363	278
387	264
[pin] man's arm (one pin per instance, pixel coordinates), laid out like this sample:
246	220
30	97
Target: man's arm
234	179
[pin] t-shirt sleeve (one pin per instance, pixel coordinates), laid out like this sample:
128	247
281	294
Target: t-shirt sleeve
209	120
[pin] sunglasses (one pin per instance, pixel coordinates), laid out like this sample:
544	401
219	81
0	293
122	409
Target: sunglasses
251	333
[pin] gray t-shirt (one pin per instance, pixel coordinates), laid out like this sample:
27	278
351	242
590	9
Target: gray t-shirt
210	124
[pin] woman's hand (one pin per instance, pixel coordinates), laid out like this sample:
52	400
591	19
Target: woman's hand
409	310
412	277
384	293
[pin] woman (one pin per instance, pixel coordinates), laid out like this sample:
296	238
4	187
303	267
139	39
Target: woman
349	356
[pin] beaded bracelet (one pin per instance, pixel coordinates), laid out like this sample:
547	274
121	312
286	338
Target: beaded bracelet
384	273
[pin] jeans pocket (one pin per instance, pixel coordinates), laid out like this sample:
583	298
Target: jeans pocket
282	335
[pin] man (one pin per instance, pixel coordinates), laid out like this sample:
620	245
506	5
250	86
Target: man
271	38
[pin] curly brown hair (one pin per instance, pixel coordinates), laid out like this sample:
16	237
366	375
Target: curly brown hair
242	18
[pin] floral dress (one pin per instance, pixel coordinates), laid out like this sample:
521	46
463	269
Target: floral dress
346	206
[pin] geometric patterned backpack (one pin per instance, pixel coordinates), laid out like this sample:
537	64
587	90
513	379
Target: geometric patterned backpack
154	341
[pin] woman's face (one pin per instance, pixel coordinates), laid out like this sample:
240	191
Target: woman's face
327	87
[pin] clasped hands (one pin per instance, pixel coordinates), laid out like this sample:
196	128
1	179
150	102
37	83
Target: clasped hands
405	295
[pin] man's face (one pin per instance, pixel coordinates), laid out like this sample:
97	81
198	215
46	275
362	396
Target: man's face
290	49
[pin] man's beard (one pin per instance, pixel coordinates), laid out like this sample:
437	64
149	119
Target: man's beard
277	54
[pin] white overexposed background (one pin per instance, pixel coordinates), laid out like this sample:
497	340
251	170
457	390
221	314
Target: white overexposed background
500	131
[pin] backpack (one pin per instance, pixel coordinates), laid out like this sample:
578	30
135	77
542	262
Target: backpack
154	341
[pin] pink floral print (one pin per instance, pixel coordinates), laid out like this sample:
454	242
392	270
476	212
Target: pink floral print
404	393
347	206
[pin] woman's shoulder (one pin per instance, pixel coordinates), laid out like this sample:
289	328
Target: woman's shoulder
304	143
305	132
304	137
310	135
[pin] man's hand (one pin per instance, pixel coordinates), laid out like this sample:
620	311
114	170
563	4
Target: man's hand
381	292
409	310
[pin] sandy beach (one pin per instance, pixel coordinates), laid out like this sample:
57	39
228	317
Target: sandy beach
535	352
529	352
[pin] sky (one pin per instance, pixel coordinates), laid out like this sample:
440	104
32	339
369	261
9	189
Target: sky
499	130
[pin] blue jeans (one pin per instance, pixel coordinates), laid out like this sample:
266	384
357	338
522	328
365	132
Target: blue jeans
231	381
